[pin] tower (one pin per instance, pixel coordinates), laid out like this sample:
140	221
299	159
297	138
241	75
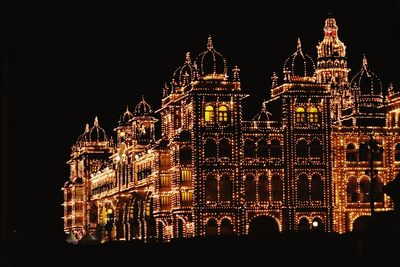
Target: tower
88	155
305	105
332	67
331	61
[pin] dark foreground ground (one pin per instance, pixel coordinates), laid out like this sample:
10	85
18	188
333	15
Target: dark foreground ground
288	249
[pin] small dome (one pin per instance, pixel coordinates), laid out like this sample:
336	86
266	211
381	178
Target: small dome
142	109
126	117
298	65
184	74
263	115
366	82
212	62
96	133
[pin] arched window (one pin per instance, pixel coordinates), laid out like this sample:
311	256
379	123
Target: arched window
211	227
315	148
211	188
317	188
300	115
225	148
397	152
276	149
226	227
223	114
263	188
185	155
351	152
365	188
304	224
313	116
225	188
302	188
209	114
262	148
378	190
352	195
210	149
276	188
250	188
249	149
301	148
363	154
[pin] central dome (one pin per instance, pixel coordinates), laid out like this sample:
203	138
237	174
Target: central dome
212	63
299	65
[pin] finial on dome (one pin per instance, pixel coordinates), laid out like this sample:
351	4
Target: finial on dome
298	44
365	62
264	105
87	128
188	60
96	122
127	108
210	43
330	14
142	97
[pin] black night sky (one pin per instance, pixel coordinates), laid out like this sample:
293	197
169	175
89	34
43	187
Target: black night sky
65	64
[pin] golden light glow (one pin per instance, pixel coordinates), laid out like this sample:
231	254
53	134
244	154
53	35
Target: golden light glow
193	181
209	114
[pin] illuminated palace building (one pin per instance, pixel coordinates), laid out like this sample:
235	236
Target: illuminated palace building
299	164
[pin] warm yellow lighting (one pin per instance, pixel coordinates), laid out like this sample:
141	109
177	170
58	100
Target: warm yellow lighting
222	114
209	114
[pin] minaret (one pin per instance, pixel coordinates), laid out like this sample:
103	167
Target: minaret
331	61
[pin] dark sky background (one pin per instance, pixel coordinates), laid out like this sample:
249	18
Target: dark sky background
66	64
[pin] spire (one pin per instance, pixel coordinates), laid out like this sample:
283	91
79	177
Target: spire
127	108
298	44
142	97
209	43
96	122
365	62
236	71
195	72
274	79
330	14
87	128
188	59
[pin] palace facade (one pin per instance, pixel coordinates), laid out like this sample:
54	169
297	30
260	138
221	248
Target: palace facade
300	164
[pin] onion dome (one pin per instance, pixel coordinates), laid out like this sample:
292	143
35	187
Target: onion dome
299	65
84	137
125	118
143	109
263	115
212	62
366	82
331	46
184	74
96	133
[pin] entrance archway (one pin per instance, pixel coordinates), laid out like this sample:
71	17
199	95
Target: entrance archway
263	227
360	224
